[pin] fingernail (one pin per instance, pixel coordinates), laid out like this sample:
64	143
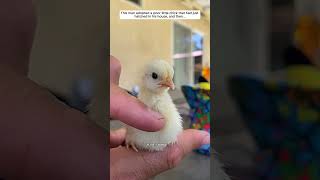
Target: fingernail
206	139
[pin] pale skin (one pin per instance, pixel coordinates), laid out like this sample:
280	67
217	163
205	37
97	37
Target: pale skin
40	138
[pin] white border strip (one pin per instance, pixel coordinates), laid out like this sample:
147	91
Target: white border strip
159	14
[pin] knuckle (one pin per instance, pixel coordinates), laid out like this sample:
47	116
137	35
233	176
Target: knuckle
174	156
116	65
114	111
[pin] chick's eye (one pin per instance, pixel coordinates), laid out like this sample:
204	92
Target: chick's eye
154	75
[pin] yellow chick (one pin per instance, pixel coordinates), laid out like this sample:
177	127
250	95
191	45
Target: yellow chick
156	81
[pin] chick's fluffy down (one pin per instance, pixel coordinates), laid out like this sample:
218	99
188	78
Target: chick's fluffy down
157	141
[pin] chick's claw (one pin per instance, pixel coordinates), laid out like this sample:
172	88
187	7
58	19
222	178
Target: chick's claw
134	148
128	145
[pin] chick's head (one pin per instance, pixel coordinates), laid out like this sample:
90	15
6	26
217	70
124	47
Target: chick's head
158	76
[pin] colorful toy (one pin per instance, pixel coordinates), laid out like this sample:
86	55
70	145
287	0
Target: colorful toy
206	72
285	123
199	102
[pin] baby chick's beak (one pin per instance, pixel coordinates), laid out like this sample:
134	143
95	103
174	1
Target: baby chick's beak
168	83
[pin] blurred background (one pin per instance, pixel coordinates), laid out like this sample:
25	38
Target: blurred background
265	68
183	43
68	56
267	85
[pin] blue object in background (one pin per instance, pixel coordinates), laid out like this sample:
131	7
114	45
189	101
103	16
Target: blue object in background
204	149
82	94
199	103
315	140
273	113
135	90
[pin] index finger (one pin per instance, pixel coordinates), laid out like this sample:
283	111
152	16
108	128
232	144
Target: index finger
131	111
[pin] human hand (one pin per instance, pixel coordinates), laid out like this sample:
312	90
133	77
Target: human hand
128	164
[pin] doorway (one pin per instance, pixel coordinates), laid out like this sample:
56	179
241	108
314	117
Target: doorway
187	57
